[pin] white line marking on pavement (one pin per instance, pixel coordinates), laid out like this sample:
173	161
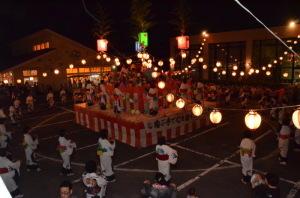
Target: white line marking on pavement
85	147
59	160
66	109
198	153
192	180
46	120
293	192
55	136
54	123
189	138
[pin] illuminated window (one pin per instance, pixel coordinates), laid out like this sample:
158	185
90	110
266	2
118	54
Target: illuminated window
29	72
95	69
72	71
47	45
41	46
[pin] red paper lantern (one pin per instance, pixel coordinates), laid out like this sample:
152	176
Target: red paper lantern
183	42
102	45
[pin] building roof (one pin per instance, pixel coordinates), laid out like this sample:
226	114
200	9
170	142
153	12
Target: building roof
14	61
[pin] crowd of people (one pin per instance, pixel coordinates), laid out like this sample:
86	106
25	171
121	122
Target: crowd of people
96	178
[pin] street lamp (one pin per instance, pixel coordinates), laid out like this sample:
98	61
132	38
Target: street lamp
292	24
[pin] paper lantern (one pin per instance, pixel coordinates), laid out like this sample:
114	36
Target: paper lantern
161	84
242	73
19	81
71	66
223	72
218	64
83	61
235	67
201	60
285	74
160	63
170	97
204	66
102	45
44	74
252	120
180	103
108	59
183	55
197	110
183	42
268	73
140	55
215	116
56	71
98	57
5	81
143	39
129	61
295	118
154	74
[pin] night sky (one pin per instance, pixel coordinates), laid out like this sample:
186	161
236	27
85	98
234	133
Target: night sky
20	18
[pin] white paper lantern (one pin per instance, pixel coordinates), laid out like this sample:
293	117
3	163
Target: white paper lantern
252	120
161	84
44	74
180	103
56	71
170	97
160	63
83	61
129	61
197	110
71	66
154	74
215	116
295	118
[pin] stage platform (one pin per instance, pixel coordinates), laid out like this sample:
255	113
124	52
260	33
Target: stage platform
141	130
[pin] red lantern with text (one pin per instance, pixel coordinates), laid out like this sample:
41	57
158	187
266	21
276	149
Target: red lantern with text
183	42
102	45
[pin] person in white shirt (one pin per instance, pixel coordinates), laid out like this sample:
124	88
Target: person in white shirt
50	99
283	141
153	100
105	151
12	114
165	155
29	102
95	184
63	96
118	94
65	149
30	144
8	170
5	136
247	153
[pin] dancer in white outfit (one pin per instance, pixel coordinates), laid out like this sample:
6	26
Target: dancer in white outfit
30	144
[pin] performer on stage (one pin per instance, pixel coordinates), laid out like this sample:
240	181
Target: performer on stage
247	153
103	96
95	185
153	100
283	141
65	148
118	94
165	155
105	151
30	144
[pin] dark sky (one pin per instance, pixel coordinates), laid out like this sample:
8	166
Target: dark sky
19	18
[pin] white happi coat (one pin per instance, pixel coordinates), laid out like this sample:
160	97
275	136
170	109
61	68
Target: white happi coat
66	148
283	140
165	156
106	151
247	152
7	168
117	102
30	145
50	98
93	180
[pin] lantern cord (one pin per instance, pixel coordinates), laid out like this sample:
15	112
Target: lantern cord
88	12
253	109
277	37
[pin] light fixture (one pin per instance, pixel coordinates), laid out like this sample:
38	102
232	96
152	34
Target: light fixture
233	73
263	68
104	55
252	120
129	61
19	81
215	116
201	60
183	55
242	73
223	72
269	65
285	74
108	59
140	55
257	71
193	61
215	69
218	64
5	81
83	61
71	66
180	103
44	74
295	118
161	84
280	58
56	71
170	97
204	66
98	56
31	78
197	110
160	63
275	61
154	74
292	24
268	73
235	67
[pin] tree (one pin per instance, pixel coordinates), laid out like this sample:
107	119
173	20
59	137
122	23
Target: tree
102	27
182	17
141	16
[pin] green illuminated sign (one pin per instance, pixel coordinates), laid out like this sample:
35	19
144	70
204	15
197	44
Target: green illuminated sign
143	39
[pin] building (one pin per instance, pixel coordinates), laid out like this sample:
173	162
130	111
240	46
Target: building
49	58
252	54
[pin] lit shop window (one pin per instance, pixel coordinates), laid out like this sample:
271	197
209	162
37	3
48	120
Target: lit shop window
29	72
41	46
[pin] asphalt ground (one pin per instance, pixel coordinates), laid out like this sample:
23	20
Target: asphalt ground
208	158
